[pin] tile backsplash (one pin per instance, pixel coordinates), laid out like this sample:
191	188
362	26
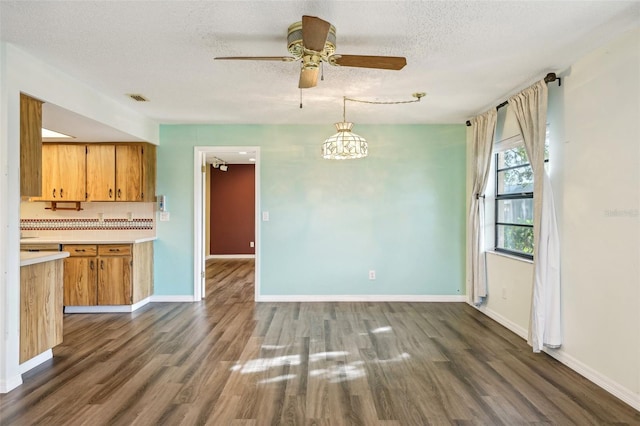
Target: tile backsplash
121	224
95	216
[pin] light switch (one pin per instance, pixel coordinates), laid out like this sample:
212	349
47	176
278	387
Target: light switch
165	216
265	216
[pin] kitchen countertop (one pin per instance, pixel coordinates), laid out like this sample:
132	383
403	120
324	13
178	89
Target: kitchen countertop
31	258
111	238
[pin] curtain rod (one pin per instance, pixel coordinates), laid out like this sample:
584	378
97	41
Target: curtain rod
551	77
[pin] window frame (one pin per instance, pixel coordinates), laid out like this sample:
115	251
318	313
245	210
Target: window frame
512	196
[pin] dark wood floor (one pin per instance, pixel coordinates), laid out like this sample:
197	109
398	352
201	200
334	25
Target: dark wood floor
229	361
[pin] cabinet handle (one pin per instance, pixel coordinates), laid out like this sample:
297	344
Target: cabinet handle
91	265
114	249
80	250
110	193
61	192
54	193
102	264
119	193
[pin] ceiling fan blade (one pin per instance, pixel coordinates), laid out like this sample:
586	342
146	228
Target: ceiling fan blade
308	78
256	58
362	61
314	33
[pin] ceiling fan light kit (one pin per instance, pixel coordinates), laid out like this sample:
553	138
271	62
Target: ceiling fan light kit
311	42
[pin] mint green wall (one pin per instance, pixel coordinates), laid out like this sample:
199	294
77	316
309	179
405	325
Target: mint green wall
400	211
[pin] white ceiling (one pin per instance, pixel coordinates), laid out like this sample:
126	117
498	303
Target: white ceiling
466	55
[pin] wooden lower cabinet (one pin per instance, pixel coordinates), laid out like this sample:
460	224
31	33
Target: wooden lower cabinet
108	274
40	308
80	275
114	277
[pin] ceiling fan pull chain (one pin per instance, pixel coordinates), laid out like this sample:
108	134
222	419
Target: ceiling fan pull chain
300	98
321	71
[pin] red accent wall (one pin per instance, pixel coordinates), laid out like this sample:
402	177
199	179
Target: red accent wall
232	211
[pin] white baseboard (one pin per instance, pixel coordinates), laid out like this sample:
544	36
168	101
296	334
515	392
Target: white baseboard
35	361
614	388
361	298
169	298
230	256
106	309
10	384
504	321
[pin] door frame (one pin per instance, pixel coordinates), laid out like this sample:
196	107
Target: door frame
199	250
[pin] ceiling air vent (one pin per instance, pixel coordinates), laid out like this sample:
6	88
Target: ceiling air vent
137	98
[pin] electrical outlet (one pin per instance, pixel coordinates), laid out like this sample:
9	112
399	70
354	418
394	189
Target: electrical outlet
372	274
504	293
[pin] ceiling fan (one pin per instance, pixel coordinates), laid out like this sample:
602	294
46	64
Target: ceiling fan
313	41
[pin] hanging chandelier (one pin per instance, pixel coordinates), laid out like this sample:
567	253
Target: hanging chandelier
346	145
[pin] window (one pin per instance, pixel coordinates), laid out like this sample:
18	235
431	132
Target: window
514	201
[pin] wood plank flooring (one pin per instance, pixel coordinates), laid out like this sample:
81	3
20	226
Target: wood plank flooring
230	361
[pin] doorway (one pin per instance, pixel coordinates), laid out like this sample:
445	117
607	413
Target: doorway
204	157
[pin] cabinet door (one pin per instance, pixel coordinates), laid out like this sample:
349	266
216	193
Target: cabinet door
30	146
114	280
50	173
128	173
149	173
40	308
101	172
63	172
80	280
72	171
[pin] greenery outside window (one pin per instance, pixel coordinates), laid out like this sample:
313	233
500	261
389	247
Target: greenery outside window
514	202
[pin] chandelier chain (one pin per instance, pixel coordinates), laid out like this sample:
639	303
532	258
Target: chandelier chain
417	97
382	102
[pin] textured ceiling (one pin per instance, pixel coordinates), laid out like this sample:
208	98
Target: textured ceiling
465	55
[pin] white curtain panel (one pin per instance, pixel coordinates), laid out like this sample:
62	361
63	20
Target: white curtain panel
545	327
484	128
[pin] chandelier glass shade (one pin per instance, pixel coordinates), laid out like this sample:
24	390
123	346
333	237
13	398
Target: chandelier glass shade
344	145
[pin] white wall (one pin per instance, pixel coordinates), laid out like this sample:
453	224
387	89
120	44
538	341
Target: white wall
23	73
595	171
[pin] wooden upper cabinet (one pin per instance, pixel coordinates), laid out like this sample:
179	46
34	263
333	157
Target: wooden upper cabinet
101	172
98	172
121	172
30	146
63	172
129	172
149	173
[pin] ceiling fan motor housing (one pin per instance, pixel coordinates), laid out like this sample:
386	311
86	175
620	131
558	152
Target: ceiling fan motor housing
296	46
311	42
